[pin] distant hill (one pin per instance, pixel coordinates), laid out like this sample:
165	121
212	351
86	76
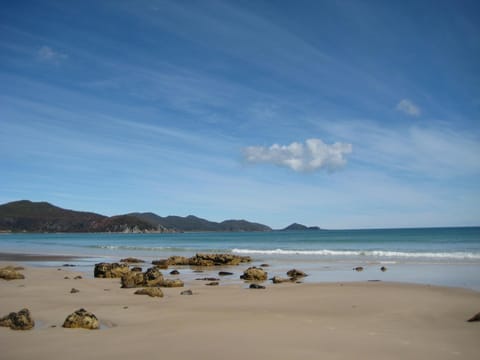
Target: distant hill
300	227
28	216
193	223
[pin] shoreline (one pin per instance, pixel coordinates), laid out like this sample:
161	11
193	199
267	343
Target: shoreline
284	321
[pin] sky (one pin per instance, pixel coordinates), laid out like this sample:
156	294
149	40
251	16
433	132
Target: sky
339	114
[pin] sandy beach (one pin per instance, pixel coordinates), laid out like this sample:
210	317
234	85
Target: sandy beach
374	320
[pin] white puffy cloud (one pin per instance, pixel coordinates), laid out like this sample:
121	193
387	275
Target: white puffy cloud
313	155
408	107
47	54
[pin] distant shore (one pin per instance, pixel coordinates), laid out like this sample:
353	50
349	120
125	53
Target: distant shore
285	321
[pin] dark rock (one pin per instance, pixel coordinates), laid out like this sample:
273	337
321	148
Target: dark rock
383	268
78	277
186	292
110	270
225	273
213	283
68	265
294	273
132	260
198	271
152	277
18	321
9	273
256	286
254	273
82	319
174	272
136	269
151	291
208	279
74	291
476	317
358	268
264	265
171	283
66	277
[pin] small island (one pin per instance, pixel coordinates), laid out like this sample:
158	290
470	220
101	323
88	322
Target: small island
300	227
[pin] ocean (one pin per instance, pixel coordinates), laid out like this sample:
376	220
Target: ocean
435	256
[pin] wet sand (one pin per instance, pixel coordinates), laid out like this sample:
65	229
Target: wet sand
18	257
373	320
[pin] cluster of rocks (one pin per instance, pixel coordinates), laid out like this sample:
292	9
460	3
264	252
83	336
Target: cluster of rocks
203	260
11	273
132	278
21	320
293	276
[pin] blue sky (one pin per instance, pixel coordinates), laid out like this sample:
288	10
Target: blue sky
341	114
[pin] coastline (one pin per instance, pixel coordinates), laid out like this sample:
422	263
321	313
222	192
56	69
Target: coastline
377	320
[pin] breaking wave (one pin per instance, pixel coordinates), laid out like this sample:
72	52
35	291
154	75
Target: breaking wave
370	253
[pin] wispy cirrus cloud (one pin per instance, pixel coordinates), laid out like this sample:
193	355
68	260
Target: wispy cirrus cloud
313	155
408	107
49	55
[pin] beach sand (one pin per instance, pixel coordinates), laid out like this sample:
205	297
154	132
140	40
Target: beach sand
372	320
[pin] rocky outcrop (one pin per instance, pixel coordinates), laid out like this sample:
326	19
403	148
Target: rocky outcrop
21	320
152	292
295	274
203	260
150	278
169	283
132	260
110	270
82	319
10	273
187	292
254	274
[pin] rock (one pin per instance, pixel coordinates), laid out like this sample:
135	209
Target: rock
383	268
161	264
295	274
151	291
136	269
476	317
150	278
74	291
257	286
264	265
213	283
254	273
174	272
110	270
358	268
171	283
132	260
82	319
203	260
21	320
208	279
279	280
68	265
78	277
9	273
198	271
66	278
186	292
225	273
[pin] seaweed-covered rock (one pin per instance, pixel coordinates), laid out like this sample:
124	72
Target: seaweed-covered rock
279	280
110	270
82	319
132	260
21	320
150	278
10	273
171	283
203	260
151	291
187	292
254	273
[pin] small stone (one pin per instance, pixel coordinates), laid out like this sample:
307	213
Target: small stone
264	265
78	277
151	291
68	265
213	283
208	279
476	317
82	319
358	268
74	291
198	271
186	292
66	278
18	321
125	307
279	280
383	268
294	273
225	273
174	272
257	286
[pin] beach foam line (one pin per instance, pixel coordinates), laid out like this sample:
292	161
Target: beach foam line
372	253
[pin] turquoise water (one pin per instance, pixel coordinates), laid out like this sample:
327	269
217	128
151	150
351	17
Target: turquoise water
440	256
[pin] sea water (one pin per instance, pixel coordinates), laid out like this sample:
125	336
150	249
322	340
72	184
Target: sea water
437	256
